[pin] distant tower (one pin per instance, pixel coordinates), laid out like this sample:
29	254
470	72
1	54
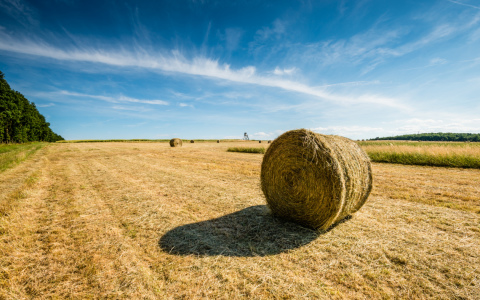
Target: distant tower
245	137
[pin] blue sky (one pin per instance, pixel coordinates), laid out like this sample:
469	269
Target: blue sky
215	69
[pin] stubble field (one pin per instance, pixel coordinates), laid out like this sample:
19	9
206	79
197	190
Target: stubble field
143	220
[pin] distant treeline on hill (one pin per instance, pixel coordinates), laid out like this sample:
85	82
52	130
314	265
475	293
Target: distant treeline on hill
20	121
435	137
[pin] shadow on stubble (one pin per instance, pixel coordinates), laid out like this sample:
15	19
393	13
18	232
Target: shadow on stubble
252	231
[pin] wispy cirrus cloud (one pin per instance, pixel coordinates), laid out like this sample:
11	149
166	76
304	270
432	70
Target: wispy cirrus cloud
403	126
266	135
22	13
378	44
276	30
452	124
175	62
119	99
464	4
232	38
284	71
45	105
130	108
347	130
185	105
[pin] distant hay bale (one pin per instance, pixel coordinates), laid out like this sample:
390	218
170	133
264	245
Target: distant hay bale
176	142
269	142
313	179
260	141
218	141
192	141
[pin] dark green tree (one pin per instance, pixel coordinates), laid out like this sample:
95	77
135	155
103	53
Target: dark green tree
20	120
435	137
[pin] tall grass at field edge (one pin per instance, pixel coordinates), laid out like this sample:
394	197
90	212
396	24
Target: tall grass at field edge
246	150
11	155
422	159
459	155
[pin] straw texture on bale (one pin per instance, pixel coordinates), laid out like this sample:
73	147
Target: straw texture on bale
192	141
313	179
176	142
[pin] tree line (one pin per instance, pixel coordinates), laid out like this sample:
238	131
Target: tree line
20	121
435	137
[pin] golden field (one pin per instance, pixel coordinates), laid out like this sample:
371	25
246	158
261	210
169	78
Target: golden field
147	221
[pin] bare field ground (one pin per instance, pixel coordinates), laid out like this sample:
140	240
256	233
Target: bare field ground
144	220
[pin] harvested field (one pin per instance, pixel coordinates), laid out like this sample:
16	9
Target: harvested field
144	220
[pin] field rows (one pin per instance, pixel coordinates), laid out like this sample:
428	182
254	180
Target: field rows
143	220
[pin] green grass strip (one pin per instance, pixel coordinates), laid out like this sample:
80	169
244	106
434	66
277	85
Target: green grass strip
11	155
457	160
246	150
419	144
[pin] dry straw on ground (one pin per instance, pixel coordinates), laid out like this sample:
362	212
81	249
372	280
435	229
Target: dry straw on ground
175	142
313	179
95	220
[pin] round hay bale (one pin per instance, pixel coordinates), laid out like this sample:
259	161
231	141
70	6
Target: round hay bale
176	142
260	141
269	142
218	141
192	141
313	179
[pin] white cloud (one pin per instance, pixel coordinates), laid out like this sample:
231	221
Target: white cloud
176	63
464	4
475	35
261	135
21	12
135	125
400	127
232	38
130	108
277	29
266	135
119	99
438	125
279	71
441	31
349	131
369	45
45	105
353	83
437	61
375	46
185	105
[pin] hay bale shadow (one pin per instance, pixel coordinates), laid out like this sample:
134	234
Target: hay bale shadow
252	231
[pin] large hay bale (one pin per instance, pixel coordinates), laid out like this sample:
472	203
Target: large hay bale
176	142
313	179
